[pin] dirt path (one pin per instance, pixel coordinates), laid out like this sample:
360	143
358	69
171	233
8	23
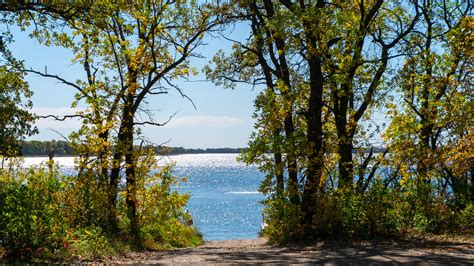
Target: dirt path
257	251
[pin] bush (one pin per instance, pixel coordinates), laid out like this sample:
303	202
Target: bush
164	223
355	215
381	211
89	243
45	215
30	210
466	217
281	219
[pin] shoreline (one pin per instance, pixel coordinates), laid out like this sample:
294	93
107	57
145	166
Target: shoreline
75	156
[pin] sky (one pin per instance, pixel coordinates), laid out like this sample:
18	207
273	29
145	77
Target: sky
222	118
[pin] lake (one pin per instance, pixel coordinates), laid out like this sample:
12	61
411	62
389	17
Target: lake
224	203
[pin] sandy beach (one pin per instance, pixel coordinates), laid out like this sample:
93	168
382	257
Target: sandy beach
257	251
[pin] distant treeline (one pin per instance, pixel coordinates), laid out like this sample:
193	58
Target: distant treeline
62	148
181	150
46	148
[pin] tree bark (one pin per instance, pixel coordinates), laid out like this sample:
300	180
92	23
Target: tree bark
283	74
131	196
346	167
315	141
277	158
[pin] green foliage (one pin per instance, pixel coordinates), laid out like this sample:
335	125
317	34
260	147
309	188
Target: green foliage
16	123
430	137
163	221
119	45
89	243
281	219
340	215
380	212
327	68
86	199
32	212
467	217
44	214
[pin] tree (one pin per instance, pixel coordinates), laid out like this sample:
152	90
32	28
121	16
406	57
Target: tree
129	51
355	73
433	121
270	59
16	121
344	75
323	72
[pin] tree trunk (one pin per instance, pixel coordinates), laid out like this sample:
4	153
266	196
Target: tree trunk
346	167
279	173
426	127
103	158
283	74
315	142
293	189
124	148
345	143
278	162
131	196
471	173
113	187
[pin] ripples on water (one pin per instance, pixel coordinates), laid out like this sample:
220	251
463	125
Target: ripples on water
224	199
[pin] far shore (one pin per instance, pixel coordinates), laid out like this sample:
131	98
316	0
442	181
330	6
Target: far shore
71	155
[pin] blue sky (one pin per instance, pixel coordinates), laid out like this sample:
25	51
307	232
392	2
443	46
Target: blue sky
223	117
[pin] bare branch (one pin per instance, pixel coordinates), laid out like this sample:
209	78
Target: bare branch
75	86
57	118
180	91
152	123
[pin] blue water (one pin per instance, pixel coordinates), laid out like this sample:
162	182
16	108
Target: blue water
224	202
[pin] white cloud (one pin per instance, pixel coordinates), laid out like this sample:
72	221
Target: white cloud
175	122
69	123
204	121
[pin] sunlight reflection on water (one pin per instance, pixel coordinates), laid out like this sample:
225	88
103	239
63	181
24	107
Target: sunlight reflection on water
224	193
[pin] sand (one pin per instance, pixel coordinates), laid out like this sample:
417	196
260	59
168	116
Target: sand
257	251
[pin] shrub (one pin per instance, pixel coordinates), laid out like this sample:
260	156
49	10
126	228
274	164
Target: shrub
466	217
30	210
89	243
281	220
163	221
44	214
